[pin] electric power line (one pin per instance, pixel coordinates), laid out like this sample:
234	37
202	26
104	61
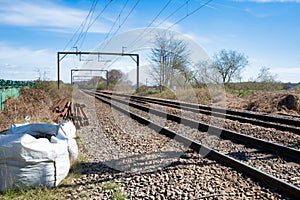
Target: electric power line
90	24
82	25
189	14
87	24
122	23
174	12
181	19
153	20
140	35
118	18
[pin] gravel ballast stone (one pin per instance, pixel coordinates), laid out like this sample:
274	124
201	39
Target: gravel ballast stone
146	165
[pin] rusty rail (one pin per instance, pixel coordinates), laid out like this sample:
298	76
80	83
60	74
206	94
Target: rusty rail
65	109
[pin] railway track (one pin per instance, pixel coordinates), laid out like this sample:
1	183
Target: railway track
264	120
284	152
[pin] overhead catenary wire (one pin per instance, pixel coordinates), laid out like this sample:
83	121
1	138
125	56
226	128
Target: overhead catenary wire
178	21
173	13
164	20
189	14
82	25
181	19
87	24
137	2
140	35
153	20
118	18
91	24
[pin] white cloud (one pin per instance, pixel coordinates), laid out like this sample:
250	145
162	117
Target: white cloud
20	63
16	56
283	74
44	14
287	74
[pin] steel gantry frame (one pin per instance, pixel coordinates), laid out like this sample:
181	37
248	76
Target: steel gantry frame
100	70
65	53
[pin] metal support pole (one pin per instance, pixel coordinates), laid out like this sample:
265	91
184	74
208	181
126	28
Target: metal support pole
71	77
76	70
106	79
137	72
58	61
95	53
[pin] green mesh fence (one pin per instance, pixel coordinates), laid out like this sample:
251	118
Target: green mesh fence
11	88
4	93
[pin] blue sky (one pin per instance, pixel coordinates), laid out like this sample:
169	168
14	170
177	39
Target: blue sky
33	31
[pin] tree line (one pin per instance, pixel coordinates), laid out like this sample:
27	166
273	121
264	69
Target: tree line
170	59
170	63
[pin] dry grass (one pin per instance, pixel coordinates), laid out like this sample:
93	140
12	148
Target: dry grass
34	102
196	95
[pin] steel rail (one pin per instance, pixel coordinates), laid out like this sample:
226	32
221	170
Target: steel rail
252	121
255	174
271	147
278	123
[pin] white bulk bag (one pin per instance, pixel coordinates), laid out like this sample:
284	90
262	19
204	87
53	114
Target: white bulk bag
29	159
67	131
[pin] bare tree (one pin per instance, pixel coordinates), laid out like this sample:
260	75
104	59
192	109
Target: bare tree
41	76
38	74
229	64
205	73
265	75
170	58
267	80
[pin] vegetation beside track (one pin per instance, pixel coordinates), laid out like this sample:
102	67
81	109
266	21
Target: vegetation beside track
252	96
34	102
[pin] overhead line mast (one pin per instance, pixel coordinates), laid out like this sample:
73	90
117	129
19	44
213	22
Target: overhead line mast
136	60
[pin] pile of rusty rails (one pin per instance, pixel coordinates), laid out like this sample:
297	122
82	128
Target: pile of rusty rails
68	110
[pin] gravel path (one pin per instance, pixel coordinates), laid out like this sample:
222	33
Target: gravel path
146	165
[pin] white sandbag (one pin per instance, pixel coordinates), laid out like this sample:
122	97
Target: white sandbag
32	155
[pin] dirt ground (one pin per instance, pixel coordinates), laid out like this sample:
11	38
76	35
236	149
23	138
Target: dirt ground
32	102
286	103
